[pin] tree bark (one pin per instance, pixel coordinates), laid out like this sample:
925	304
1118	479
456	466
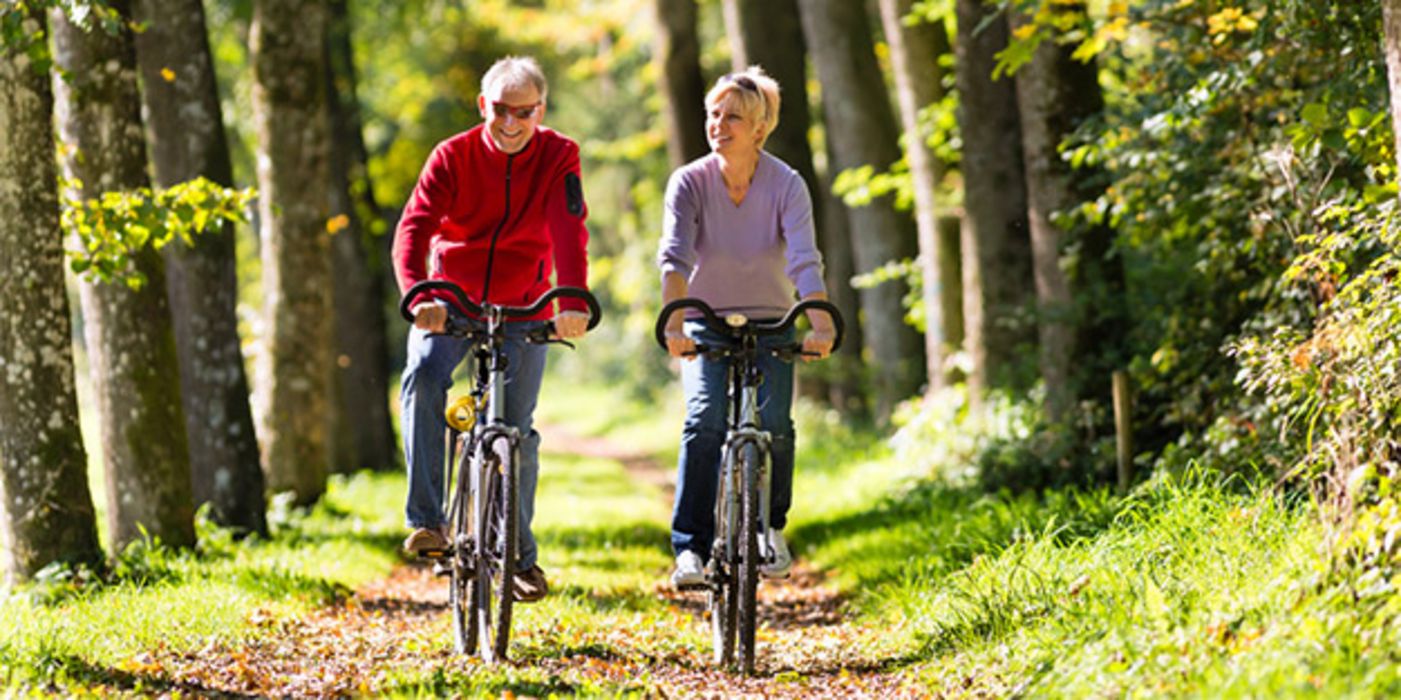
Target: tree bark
862	131
1055	93
289	110
997	276
768	33
130	335
46	509
361	434
187	139
914	57
1391	25
678	50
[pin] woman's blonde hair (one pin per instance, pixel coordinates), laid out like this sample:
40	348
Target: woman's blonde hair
756	93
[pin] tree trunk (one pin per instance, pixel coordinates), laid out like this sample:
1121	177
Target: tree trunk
1391	24
1055	93
130	335
997	277
187	141
914	56
861	128
768	33
678	50
44	498
294	371
361	434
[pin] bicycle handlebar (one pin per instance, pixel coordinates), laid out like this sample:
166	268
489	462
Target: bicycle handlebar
757	328
475	309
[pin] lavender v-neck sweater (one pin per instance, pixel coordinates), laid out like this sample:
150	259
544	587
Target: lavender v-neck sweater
746	258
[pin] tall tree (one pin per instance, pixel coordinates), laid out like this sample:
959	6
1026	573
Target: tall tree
186	130
361	434
997	278
678	50
1055	93
46	510
768	33
915	48
1391	25
129	332
289	110
862	131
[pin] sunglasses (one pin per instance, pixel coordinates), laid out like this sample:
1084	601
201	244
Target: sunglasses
522	113
742	80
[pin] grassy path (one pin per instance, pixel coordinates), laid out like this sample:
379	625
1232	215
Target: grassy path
610	626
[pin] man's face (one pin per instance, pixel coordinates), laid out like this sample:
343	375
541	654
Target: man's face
511	115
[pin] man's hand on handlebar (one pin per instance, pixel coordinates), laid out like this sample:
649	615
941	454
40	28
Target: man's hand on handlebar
431	316
570	324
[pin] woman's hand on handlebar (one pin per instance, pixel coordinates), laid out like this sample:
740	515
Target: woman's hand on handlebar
817	344
431	316
678	344
570	325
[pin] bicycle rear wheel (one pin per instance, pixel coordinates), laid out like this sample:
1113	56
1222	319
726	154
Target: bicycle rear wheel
748	573
497	548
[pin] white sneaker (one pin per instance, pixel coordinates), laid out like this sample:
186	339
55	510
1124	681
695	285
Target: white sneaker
689	570
782	560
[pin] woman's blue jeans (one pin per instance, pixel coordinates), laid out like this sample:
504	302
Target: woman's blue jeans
423	398
704	383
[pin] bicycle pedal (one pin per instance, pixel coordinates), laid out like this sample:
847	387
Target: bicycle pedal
434	554
702	586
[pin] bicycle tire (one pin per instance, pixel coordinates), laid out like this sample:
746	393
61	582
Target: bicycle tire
497	549
722	594
749	532
460	589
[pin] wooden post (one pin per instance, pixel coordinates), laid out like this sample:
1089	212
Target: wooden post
1123	428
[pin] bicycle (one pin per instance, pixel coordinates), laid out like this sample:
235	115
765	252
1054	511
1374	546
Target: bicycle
482	505
742	499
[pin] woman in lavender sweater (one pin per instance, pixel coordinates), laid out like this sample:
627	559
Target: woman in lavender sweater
738	234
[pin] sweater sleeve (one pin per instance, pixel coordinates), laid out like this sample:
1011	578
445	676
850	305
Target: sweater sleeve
804	261
566	212
680	223
432	196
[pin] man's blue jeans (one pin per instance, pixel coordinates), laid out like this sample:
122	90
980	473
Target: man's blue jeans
703	437
423	398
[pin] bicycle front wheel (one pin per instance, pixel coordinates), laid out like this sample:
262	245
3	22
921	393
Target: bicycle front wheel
497	546
750	530
463	552
723	585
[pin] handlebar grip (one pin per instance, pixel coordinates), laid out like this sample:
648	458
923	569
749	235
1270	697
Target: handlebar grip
659	332
417	290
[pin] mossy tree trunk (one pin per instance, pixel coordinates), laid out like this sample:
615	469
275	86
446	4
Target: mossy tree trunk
295	363
361	434
914	58
996	245
1055	94
678	55
186	130
129	333
46	510
861	130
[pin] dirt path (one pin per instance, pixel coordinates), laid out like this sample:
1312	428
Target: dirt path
390	630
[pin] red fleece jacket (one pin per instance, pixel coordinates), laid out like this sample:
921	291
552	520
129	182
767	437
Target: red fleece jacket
496	224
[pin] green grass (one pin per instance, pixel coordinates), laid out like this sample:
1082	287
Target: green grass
1188	587
63	631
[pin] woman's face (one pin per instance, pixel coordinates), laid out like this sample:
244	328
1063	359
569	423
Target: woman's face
728	130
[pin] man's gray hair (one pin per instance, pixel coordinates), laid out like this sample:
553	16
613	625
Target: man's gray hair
514	72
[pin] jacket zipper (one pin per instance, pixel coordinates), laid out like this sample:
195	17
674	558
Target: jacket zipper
506	216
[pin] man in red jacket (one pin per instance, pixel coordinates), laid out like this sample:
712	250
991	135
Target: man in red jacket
497	209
